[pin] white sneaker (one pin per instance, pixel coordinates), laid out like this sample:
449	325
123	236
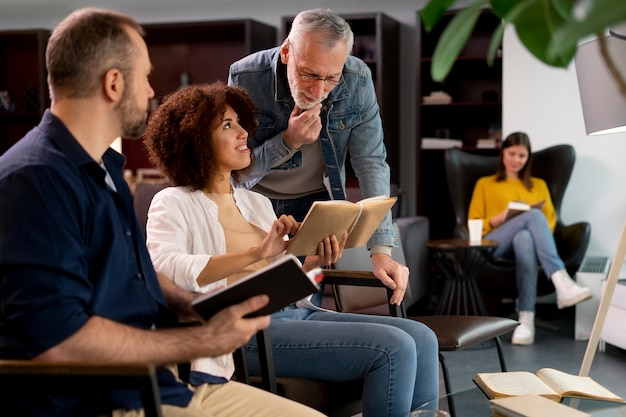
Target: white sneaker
524	334
568	292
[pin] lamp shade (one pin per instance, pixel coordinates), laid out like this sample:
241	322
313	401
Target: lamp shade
604	107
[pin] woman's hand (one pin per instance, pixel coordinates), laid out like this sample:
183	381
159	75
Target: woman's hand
328	251
274	243
498	219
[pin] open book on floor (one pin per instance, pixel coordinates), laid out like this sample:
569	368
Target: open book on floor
335	217
549	383
532	406
283	280
517	207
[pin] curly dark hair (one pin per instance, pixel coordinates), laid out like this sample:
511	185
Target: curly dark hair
178	136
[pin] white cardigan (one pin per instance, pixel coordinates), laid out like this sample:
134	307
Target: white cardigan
183	233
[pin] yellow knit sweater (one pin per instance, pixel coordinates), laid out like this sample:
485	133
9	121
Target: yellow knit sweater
491	197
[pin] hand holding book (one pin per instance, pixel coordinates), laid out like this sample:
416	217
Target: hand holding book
335	217
517	207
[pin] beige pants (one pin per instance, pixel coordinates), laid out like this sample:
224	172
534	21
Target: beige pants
232	399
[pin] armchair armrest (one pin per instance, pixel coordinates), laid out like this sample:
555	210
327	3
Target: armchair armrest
141	377
572	241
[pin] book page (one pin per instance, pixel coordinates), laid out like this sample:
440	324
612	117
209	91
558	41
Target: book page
325	218
533	406
517	207
506	384
568	385
374	211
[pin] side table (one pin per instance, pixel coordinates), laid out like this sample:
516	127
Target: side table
460	262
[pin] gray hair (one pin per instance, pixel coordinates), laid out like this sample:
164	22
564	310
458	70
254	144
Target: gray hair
324	22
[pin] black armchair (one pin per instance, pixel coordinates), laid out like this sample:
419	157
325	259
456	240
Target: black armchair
554	165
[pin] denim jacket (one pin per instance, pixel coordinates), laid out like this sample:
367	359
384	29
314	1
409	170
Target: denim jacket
350	120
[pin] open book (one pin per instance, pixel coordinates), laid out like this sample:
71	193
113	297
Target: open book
283	280
532	406
517	207
335	217
549	383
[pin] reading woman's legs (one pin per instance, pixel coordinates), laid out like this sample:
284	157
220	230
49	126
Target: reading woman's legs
528	239
397	357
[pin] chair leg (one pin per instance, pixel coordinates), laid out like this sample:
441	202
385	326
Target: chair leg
500	353
266	360
446	383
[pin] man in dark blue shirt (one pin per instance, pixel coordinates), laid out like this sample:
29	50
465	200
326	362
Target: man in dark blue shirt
76	280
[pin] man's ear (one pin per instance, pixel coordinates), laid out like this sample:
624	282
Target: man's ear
285	48
113	84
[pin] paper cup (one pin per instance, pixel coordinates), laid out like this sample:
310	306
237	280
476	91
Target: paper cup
475	227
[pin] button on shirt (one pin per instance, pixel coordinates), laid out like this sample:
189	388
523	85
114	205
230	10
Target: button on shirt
71	248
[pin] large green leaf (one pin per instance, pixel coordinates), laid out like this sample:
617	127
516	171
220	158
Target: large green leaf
432	12
602	15
496	40
535	22
452	40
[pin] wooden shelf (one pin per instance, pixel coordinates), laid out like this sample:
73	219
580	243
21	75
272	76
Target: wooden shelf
474	113
201	50
23	75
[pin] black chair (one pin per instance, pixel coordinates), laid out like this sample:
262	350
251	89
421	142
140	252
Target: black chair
554	164
30	373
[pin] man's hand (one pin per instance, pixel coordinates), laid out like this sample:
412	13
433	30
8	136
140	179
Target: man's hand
392	274
304	126
227	330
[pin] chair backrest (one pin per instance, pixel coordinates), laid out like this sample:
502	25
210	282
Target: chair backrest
554	165
411	251
144	191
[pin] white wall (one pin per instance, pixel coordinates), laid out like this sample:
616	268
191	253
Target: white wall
544	102
540	100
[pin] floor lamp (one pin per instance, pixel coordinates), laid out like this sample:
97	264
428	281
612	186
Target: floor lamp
604	111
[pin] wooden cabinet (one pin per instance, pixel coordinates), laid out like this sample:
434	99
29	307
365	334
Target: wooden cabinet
376	42
195	52
23	76
475	88
474	112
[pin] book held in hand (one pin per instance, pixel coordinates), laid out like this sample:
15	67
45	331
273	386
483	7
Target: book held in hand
517	207
283	280
547	382
335	217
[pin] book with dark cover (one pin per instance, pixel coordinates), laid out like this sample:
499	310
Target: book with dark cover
284	281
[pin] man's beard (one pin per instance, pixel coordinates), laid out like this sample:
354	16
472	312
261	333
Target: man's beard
297	94
132	118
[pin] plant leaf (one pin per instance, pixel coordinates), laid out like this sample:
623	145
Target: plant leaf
503	7
535	22
452	40
496	40
433	11
602	15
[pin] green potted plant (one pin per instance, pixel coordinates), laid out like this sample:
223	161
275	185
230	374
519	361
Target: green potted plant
549	29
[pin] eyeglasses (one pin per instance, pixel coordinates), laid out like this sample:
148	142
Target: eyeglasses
330	81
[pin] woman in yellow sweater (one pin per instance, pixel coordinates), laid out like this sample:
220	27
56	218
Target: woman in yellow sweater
527	238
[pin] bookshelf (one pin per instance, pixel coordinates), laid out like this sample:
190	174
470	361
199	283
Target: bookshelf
23	75
198	51
474	112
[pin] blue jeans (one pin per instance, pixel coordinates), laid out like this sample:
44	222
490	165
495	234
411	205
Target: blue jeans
396	357
528	240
